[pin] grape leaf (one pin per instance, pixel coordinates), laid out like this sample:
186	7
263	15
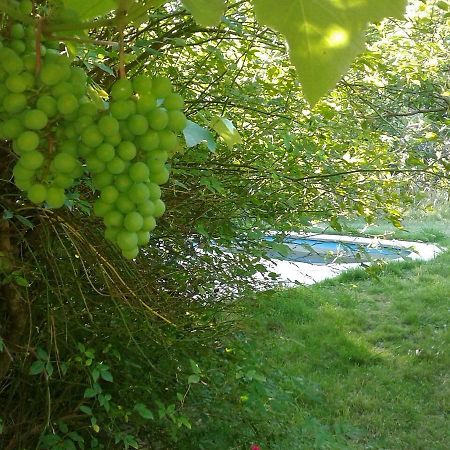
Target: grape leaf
92	8
226	130
206	12
195	134
324	36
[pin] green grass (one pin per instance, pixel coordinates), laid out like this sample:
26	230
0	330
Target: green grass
355	362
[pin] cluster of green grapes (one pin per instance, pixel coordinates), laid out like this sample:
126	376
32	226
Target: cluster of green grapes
129	147
60	132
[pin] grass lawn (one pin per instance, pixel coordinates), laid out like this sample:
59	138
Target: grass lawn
356	362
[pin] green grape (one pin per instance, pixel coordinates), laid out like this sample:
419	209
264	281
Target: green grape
18	46
126	240
91	136
27	141
160	208
113	218
148	224
84	151
154	191
32	160
94	165
105	152
111	233
37	193
35	119
64	162
149	141
102	179
174	101
116	166
17	31
108	125
157	156
55	197
47	104
167	140
70	147
133	221
122	182
158	119
125	133
23	183
63	181
29	62
122	89
142	84
109	194
17	83
114	139
11	62
162	87
22	173
87	109
67	104
137	124
101	208
14	103
63	87
26	7
82	122
124	204
177	121
11	128
161	177
143	237
130	253
146	103
126	150
51	74
139	172
139	193
122	109
146	208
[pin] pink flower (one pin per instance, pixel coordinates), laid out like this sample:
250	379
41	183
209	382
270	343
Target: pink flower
255	447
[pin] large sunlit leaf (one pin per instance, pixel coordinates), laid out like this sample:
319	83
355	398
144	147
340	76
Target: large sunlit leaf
226	130
324	36
195	134
91	8
206	12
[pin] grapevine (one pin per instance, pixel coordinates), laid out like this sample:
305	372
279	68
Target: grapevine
60	133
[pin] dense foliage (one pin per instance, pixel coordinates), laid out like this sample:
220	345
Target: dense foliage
106	347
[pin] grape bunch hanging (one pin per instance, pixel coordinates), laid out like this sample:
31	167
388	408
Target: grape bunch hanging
59	134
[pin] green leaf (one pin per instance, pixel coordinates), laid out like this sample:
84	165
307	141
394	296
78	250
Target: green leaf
143	411
89	393
226	130
193	379
37	367
86	410
324	36
207	13
195	134
90	9
2	344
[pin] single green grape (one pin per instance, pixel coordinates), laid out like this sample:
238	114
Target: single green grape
116	166
161	87
143	237
108	125
146	208
111	233
91	136
139	193
109	194
154	191
67	104
32	160
105	152
122	109
137	124
130	253
102	179
94	165
149	223
122	89
158	119
37	193
126	240
47	103
145	103
27	141
14	102
142	84
139	172
133	221
161	177
126	150
174	101
160	208
113	218
55	197
124	204
35	119
122	182
177	121
149	141
63	181
64	162
167	140
101	208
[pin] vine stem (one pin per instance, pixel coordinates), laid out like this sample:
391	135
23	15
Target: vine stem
122	72
38	44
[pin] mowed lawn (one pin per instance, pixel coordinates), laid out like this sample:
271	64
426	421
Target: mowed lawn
358	362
